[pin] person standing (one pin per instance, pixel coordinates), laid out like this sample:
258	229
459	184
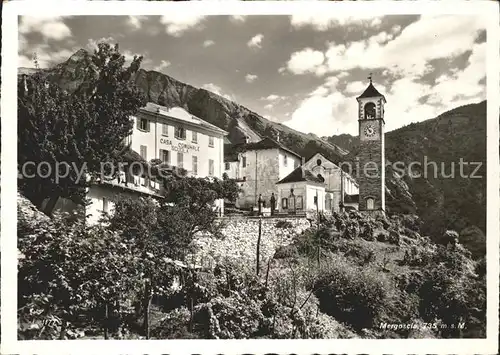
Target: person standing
273	204
260	204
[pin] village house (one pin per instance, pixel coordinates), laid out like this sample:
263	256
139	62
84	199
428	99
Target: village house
172	136
258	167
336	181
301	191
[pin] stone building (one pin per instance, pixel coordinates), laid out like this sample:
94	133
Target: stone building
336	181
258	167
371	154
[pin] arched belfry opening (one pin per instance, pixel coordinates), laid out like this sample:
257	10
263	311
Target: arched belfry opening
370	111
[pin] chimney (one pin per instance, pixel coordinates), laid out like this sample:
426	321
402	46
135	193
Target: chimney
303	161
278	137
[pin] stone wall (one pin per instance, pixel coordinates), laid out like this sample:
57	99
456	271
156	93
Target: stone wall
239	241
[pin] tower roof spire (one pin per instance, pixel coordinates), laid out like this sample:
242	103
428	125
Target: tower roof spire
370	91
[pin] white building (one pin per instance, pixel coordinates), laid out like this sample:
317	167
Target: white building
173	136
301	191
258	167
335	181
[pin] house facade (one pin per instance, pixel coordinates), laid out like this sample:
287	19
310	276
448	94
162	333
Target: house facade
301	191
172	136
258	167
336	182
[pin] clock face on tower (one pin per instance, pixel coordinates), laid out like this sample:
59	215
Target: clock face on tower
370	130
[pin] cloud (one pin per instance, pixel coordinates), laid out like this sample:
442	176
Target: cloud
92	43
136	21
250	78
306	61
237	18
323	113
217	90
208	43
46	57
178	23
406	54
268	106
256	41
325	21
146	63
355	87
273	97
49	27
281	70
327	107
163	64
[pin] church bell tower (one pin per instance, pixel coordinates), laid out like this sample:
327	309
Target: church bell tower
371	174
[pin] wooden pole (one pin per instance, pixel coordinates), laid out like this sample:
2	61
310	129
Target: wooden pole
258	246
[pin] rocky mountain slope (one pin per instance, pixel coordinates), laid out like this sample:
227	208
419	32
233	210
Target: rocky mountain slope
162	89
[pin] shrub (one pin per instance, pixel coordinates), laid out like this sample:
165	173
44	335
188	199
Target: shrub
284	224
350	294
394	237
450	237
383	236
287	251
411	222
360	252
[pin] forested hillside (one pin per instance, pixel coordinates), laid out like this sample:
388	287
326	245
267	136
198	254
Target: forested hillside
443	200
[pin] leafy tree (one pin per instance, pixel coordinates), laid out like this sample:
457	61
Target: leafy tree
136	220
188	208
75	132
69	271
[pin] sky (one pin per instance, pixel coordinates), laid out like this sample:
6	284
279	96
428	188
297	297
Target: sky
302	71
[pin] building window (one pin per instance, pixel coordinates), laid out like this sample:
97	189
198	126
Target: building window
227	166
180	160
370	203
195	165
284	203
164	129
299	202
105	205
285	160
210	167
144	152
244	161
144	124
210	141
165	156
194	137
180	133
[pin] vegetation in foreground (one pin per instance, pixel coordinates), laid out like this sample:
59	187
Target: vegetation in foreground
342	278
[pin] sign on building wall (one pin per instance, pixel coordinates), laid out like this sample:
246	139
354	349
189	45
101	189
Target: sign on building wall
180	147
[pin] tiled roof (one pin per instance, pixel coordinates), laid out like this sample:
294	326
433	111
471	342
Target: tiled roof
231	150
370	92
301	174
